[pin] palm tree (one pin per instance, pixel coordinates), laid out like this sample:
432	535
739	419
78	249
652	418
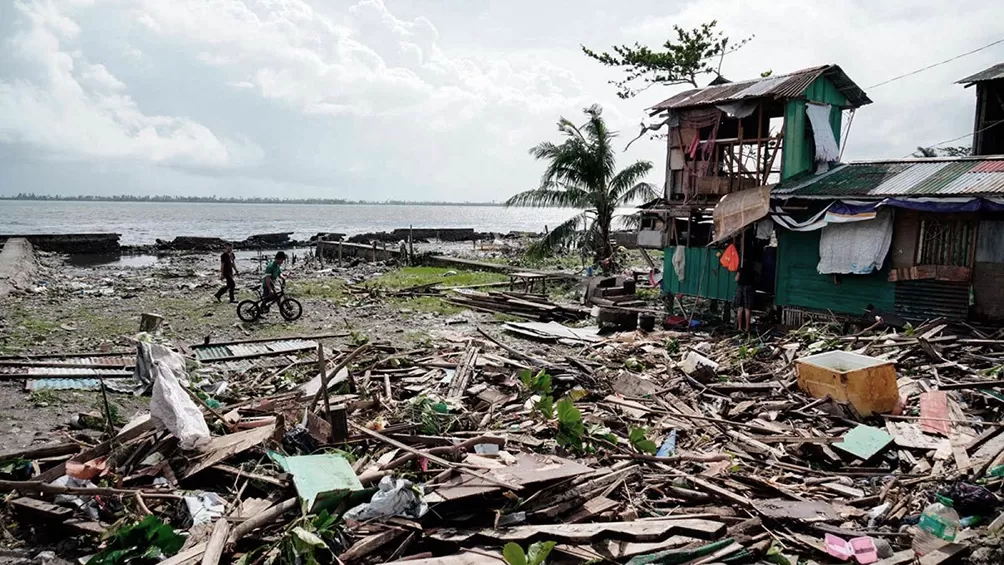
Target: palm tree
581	173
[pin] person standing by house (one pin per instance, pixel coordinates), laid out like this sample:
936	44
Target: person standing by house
745	293
228	270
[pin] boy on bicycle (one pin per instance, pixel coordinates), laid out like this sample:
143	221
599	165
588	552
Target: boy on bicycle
272	273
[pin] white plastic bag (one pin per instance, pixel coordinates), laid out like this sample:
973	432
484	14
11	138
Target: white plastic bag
396	497
171	408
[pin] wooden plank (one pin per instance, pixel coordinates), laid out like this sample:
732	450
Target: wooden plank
462	376
591	508
369	544
220	448
642	531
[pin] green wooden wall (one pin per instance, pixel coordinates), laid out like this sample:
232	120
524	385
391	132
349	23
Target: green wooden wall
799	284
798	142
703	275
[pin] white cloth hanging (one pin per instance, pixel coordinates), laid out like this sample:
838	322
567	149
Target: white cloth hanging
822	132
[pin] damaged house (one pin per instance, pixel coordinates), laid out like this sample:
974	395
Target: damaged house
921	238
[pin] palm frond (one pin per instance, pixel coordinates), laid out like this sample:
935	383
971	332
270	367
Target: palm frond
549	198
642	191
630	221
563	233
627	179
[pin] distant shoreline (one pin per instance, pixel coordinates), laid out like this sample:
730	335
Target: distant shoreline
216	200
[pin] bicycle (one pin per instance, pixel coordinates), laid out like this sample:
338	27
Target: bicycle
252	310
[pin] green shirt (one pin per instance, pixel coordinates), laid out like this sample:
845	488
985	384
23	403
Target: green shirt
273	270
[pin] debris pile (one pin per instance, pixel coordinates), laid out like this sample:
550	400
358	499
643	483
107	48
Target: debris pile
657	447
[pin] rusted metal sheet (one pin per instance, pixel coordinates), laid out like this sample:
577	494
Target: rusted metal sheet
786	86
928	299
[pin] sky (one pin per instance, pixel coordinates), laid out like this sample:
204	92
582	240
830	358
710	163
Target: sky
417	99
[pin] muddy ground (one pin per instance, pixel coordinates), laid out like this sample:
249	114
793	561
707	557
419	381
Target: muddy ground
81	309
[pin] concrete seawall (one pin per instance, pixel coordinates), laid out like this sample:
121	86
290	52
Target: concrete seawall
17	266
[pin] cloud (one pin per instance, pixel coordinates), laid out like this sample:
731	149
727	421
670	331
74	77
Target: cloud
71	107
395	99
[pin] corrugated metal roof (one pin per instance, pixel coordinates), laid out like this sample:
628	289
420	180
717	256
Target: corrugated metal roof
993	73
914	177
786	86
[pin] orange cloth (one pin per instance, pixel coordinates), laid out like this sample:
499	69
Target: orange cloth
730	259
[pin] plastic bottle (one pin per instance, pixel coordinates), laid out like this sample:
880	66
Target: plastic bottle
937	527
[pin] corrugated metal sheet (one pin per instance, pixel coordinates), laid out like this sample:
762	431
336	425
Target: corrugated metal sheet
928	299
226	352
782	87
913	177
703	275
799	284
993	73
124	386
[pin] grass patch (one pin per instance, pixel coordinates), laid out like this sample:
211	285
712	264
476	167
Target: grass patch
408	277
330	289
429	305
44	398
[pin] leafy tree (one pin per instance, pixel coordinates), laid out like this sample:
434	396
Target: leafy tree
581	173
955	151
693	53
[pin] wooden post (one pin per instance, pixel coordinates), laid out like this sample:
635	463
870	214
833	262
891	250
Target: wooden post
150	323
339	253
759	139
373	255
339	420
411	247
322	366
739	163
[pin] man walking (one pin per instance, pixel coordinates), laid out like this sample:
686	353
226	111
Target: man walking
228	270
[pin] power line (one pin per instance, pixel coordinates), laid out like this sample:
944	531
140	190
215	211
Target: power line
987	46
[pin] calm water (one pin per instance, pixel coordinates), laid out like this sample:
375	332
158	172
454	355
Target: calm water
144	222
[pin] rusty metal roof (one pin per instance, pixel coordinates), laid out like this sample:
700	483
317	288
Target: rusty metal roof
993	73
791	85
964	176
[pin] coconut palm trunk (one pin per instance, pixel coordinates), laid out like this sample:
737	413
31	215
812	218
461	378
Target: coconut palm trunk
581	173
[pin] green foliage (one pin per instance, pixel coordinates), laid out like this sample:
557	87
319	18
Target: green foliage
16	469
514	555
545	407
537	383
693	53
954	151
672	346
42	398
433	416
581	173
641	442
909	330
571	429
146	541
358	338
747	352
408	277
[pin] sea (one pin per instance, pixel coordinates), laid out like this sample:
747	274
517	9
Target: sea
142	223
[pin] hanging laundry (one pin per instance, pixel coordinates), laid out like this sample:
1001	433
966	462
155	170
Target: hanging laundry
730	259
765	229
680	261
822	132
856	248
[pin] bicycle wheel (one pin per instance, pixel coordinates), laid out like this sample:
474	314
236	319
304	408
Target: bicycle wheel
248	311
290	309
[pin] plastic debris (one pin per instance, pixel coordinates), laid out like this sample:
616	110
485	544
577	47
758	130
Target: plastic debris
396	497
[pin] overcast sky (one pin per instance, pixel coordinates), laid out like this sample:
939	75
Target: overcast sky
415	99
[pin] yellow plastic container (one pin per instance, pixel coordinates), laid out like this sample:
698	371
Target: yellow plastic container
866	383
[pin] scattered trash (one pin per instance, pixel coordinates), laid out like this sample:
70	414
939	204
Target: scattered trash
396	497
